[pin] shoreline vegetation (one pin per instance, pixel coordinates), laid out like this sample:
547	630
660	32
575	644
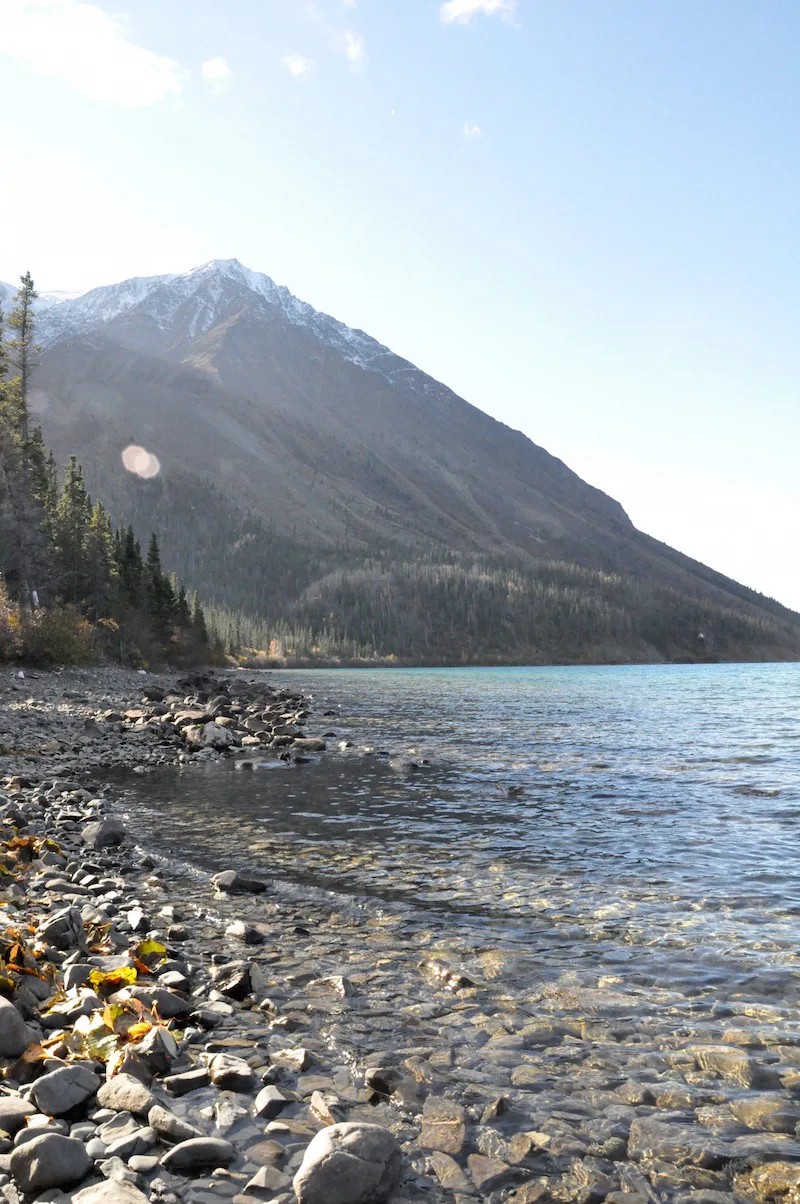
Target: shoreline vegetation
184	1038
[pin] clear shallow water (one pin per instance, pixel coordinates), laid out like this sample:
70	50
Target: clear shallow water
657	833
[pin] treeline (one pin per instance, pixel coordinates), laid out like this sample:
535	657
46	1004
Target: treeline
71	585
473	611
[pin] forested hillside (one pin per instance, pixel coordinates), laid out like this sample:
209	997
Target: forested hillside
452	611
72	586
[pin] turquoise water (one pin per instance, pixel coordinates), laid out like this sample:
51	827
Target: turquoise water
654	813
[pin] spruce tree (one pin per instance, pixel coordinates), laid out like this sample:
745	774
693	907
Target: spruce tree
160	596
199	628
22	348
130	569
70	531
183	615
99	563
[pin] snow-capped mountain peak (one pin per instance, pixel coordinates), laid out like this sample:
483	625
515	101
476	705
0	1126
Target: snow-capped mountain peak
187	305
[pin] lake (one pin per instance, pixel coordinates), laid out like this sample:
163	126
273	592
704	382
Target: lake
636	819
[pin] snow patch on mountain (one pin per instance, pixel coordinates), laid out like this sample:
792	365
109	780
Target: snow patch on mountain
205	296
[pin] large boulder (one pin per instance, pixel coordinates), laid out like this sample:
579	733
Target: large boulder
349	1164
49	1161
104	834
15	1036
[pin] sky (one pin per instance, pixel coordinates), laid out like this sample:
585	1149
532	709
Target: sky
582	215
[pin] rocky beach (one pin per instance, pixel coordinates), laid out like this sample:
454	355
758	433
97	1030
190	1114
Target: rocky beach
196	1037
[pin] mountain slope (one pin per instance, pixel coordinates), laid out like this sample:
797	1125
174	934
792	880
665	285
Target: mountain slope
280	428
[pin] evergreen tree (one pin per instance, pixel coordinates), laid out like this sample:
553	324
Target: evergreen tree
99	563
24	543
22	348
199	621
130	569
183	615
70	531
160	597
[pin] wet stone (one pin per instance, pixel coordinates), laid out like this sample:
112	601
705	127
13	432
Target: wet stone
768	1112
488	1174
734	1065
443	1126
199	1152
270	1102
349	1164
186	1081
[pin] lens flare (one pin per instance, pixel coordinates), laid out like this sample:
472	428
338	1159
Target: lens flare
141	462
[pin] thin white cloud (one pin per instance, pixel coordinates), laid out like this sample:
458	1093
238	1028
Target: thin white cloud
461	12
87	48
216	73
355	49
298	65
349	3
472	131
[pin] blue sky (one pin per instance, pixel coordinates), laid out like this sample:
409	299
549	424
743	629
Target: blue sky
580	215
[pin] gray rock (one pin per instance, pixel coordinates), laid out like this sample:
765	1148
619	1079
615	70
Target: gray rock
117	1171
270	1102
139	1142
199	1151
170	1126
234	883
49	1161
63	928
230	1073
77	975
15	1036
64	1089
13	1112
248	933
105	834
110	1193
24	1135
186	1081
124	1093
170	1006
349	1164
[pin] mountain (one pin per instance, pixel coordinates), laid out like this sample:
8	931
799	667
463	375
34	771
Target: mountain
295	452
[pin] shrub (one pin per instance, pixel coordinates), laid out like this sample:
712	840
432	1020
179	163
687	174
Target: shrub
60	636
